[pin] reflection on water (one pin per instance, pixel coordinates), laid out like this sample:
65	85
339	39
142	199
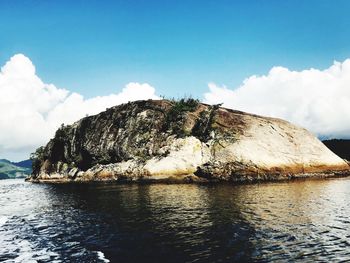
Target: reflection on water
295	221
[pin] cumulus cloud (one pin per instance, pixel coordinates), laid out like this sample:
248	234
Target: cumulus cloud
318	100
32	110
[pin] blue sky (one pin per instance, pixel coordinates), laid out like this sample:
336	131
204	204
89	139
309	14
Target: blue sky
96	47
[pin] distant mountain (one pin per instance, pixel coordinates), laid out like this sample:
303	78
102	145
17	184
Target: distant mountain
5	161
341	147
9	170
25	164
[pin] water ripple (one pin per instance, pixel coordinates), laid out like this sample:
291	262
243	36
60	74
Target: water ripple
278	222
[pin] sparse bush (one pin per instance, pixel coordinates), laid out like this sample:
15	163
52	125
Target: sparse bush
181	106
184	104
175	116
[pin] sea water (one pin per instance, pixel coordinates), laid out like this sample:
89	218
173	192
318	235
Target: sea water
284	222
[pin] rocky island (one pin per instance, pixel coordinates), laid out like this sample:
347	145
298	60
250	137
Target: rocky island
168	140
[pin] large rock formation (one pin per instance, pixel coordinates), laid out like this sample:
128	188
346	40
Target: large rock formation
182	140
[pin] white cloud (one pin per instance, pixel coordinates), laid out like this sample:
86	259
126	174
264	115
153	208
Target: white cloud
318	100
31	110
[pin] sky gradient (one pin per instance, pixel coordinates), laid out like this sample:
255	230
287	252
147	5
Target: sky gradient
96	48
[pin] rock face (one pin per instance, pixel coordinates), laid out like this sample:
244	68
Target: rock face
182	140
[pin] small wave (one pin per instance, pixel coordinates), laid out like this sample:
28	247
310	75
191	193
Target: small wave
102	257
3	220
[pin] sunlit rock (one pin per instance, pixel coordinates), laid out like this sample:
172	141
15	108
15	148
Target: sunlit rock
184	140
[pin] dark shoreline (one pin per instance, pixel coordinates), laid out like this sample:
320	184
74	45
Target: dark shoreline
200	181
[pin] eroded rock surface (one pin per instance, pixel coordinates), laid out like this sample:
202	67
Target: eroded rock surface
184	140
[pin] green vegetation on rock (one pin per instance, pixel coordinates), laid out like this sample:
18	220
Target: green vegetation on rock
176	115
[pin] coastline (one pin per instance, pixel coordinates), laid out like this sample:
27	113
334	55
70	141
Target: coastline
197	180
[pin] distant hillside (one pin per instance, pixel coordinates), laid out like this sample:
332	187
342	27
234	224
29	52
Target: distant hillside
9	170
25	164
340	147
5	161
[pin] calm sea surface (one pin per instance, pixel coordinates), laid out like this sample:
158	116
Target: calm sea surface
301	221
